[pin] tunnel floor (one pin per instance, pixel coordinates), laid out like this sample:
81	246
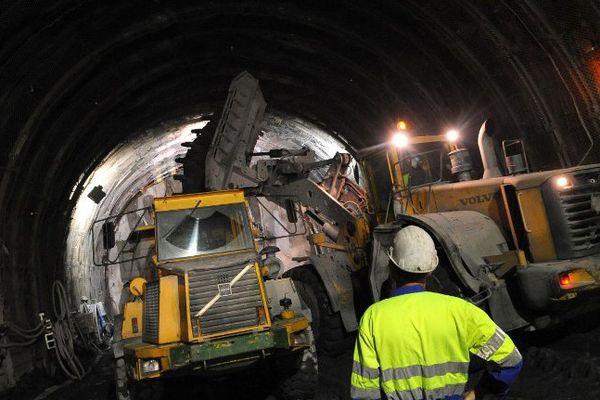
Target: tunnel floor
559	364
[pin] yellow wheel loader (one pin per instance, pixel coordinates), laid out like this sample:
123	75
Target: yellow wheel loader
525	245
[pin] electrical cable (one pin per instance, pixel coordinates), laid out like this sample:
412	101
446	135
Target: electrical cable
29	335
63	330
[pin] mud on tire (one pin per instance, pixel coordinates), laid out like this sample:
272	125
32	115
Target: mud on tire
330	335
298	375
125	389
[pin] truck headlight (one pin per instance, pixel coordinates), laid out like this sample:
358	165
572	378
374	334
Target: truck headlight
563	182
149	366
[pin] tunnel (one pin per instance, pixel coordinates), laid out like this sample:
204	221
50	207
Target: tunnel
104	94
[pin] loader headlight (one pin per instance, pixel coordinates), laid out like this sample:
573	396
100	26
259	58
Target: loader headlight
400	140
150	366
452	136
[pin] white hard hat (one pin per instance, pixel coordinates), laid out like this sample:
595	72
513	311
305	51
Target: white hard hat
413	250
84	299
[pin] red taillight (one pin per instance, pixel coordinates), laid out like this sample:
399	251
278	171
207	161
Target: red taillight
565	279
575	279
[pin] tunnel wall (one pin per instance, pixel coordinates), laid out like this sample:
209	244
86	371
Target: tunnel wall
79	78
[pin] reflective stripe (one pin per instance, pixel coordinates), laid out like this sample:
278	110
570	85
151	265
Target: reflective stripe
512	359
426	371
360	393
365	372
419	394
492	345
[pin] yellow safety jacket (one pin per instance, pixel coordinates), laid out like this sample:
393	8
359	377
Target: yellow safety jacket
416	345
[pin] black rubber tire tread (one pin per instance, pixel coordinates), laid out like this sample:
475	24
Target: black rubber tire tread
299	375
330	335
125	389
152	389
121	381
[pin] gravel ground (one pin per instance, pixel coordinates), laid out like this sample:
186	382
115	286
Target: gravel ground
560	364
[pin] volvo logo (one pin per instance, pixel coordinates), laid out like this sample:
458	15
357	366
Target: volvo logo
482	198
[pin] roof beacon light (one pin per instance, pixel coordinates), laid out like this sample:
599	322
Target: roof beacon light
452	136
400	140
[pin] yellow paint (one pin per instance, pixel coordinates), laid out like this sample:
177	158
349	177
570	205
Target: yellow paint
483	196
394	169
320	239
580	277
287	314
521	257
136	286
207	199
535	220
169	330
143	228
188	336
132	317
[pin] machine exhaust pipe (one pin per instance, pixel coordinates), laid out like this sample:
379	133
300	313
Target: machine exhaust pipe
487	151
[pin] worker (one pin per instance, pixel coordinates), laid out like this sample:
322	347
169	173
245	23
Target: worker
417	344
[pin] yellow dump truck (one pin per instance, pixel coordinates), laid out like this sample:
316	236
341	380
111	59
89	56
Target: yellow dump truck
208	306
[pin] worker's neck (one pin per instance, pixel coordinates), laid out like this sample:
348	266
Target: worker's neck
422	284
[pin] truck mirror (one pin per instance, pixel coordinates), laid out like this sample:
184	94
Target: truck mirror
290	209
108	235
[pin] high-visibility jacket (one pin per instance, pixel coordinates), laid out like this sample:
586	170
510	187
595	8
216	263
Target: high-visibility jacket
416	345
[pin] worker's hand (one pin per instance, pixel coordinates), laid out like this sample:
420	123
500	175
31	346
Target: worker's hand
470	395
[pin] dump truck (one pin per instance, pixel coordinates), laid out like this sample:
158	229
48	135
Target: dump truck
523	245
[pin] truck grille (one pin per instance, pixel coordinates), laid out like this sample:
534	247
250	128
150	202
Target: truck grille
151	299
231	311
574	214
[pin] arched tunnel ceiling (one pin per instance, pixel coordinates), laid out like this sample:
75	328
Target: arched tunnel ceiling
80	77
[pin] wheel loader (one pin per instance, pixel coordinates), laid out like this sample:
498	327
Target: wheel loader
524	245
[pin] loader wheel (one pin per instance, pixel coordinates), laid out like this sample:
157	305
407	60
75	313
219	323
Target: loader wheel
331	337
444	280
298	375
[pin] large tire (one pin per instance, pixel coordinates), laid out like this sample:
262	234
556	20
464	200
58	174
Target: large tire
125	389
298	375
121	381
331	337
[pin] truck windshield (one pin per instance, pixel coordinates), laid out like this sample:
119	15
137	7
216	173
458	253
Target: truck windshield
202	231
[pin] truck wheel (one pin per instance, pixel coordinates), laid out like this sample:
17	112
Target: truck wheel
121	381
298	375
330	335
127	390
